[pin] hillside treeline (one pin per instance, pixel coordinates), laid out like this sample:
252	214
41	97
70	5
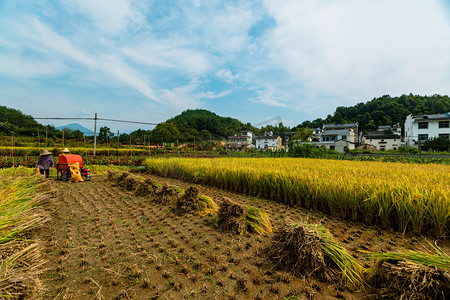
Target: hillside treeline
385	110
202	125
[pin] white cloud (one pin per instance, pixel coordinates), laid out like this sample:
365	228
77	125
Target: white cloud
227	75
270	97
359	50
167	55
110	17
15	66
114	66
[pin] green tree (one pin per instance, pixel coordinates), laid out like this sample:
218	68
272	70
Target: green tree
165	132
303	134
104	133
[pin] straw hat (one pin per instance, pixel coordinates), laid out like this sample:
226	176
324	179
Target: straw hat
66	150
45	152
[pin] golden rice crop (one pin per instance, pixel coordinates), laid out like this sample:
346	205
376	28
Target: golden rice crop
407	197
20	256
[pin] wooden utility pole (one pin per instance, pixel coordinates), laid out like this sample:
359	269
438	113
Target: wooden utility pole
420	148
117	145
95	133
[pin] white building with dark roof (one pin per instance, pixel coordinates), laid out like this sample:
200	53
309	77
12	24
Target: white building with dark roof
424	127
335	132
244	139
395	129
382	141
268	142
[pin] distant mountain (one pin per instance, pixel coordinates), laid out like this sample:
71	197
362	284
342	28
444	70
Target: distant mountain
76	126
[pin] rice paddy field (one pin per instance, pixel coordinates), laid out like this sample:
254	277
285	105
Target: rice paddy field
404	197
228	229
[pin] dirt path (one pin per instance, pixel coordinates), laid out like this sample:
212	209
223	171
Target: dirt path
106	243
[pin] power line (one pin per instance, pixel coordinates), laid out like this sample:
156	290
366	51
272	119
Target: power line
100	119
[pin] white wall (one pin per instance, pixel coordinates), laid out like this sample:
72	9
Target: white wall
412	130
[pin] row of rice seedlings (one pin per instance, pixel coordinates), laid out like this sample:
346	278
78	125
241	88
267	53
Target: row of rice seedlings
19	212
404	196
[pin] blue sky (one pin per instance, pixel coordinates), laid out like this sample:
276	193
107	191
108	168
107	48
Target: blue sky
252	60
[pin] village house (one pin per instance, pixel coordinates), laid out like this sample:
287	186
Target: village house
386	137
382	141
424	127
335	132
394	129
239	141
268	142
338	137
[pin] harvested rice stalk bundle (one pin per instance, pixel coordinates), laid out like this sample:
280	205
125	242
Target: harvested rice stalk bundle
257	220
122	176
129	183
192	202
154	184
144	189
230	217
207	206
19	272
439	259
238	219
166	194
406	280
310	249
411	275
178	189
112	175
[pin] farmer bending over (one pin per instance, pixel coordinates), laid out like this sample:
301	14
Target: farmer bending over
45	162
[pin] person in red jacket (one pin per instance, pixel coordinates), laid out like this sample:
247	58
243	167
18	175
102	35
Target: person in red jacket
45	163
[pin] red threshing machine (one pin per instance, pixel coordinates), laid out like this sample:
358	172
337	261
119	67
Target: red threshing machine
63	167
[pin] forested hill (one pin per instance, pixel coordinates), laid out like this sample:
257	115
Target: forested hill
203	120
385	110
14	121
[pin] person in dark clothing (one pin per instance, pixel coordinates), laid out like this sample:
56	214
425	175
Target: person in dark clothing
45	162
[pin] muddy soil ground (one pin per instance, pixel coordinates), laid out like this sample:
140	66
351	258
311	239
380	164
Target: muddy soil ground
106	243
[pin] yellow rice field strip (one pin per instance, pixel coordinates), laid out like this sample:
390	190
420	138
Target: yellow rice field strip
407	197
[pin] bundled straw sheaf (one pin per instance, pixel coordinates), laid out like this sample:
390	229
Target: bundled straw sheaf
411	274
238	218
191	202
311	250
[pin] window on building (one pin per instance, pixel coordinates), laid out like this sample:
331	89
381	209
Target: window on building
244	132
444	135
444	124
331	147
423	125
244	139
344	137
423	137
